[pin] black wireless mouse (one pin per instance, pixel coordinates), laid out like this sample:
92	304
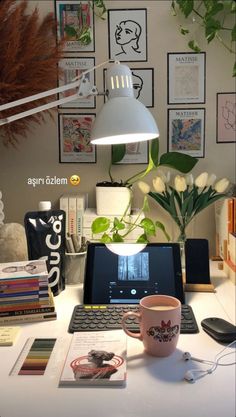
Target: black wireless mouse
220	329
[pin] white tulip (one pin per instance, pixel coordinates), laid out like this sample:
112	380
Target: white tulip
211	180
164	176
201	180
180	183
144	187
221	185
158	185
189	179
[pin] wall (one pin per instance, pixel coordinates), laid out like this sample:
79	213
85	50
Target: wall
37	155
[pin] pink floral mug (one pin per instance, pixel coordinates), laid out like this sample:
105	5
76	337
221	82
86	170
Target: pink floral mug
159	321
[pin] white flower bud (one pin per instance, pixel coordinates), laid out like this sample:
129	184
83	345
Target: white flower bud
164	176
211	180
189	179
201	180
221	185
158	185
144	187
180	183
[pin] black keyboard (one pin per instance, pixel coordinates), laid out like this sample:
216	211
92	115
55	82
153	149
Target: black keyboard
108	317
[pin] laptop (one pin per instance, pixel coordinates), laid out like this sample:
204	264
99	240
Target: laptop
114	284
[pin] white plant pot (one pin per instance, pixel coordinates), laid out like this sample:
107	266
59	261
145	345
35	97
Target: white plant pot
112	200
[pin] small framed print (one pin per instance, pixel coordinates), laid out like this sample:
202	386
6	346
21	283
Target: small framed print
71	68
75	21
143	85
74	138
186	77
186	131
226	118
127	34
136	153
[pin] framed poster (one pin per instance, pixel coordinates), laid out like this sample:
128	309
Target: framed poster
127	31
186	77
72	68
75	21
74	138
136	153
226	117
143	85
186	131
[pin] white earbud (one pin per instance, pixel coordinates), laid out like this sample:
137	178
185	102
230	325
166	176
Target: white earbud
187	356
190	375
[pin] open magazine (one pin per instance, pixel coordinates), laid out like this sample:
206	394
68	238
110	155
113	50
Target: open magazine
95	358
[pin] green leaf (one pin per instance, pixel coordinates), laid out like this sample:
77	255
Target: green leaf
213	7
100	225
117	238
194	46
118	225
233	34
142	239
118	153
148	226
186	6
161	226
161	200
173	11
183	31
154	152
180	161
70	31
212	26
106	238
234	70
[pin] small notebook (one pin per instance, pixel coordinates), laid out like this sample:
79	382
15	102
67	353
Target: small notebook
95	358
8	335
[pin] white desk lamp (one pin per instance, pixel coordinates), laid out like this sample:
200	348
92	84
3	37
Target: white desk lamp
123	119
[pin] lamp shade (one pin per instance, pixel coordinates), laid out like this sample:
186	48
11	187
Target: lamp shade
123	119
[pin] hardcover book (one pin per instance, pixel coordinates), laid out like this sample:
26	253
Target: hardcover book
95	358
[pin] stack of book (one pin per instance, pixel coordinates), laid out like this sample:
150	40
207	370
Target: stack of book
24	293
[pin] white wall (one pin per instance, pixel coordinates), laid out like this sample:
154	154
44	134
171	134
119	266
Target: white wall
38	156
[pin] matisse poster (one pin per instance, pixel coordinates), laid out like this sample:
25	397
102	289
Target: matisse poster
72	68
186	131
74	138
75	25
186	78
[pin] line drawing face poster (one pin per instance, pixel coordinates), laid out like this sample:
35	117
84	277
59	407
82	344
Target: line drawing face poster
127	34
186	78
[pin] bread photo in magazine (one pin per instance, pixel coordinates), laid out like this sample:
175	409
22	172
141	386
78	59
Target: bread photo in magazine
95	358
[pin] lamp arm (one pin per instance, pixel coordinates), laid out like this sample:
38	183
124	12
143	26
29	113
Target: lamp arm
79	82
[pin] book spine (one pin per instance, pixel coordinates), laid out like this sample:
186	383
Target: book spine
230	215
72	216
80	209
29	318
22	306
64	206
24	312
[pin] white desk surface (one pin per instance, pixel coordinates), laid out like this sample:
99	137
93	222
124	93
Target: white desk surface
155	386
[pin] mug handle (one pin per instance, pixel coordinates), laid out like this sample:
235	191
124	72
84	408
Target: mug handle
128	332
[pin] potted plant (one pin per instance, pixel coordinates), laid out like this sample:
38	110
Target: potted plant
115	197
119	229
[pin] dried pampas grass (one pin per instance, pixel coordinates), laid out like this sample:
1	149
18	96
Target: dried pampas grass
28	65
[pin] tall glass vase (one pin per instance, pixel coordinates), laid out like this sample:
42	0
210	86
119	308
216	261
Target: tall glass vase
181	232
